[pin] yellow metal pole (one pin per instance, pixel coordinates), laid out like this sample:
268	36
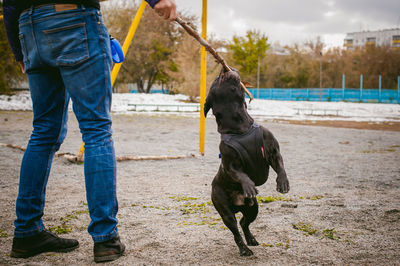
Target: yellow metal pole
79	157
128	39
203	72
117	67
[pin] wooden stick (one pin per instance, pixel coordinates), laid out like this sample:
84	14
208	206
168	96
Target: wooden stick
75	159
159	158
210	49
13	146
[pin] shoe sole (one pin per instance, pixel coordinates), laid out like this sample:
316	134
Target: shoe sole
16	254
107	258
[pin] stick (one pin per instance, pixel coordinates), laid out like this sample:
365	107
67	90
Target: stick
210	49
13	146
75	159
159	158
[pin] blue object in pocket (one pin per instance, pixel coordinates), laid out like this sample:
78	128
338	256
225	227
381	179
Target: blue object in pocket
116	51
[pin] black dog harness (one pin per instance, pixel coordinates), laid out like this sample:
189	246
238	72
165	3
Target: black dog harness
251	150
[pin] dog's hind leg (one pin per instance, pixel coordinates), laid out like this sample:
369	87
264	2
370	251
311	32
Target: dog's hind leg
249	215
223	206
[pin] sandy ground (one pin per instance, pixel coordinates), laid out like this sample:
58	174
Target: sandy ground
343	207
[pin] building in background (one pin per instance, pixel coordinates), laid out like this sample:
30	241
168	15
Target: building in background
390	37
278	49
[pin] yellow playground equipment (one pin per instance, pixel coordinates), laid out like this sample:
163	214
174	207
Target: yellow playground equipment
203	71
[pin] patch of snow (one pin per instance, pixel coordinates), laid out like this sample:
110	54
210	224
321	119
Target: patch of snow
21	101
267	109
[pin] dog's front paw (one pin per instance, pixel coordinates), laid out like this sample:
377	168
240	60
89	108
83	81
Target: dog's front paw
282	185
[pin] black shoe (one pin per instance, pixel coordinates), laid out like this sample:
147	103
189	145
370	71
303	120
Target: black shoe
109	250
45	241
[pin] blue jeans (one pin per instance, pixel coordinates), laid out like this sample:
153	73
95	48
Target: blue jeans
67	56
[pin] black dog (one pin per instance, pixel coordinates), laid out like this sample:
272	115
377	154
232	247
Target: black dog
247	150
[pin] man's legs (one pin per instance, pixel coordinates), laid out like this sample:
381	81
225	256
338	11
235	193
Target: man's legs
76	43
89	84
50	103
75	47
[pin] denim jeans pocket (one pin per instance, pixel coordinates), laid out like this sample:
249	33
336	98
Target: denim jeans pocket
24	50
69	44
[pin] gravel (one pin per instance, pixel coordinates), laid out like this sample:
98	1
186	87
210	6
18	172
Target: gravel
343	207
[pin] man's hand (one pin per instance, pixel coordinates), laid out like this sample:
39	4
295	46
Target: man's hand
166	9
21	64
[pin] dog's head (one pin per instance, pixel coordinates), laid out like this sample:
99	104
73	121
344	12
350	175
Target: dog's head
227	101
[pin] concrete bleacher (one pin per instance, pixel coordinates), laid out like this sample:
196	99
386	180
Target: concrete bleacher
318	111
164	107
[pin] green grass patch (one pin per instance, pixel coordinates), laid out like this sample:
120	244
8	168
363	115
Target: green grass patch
73	215
315	197
3	234
83	227
331	234
61	229
308	229
266	245
204	220
270	199
69	217
177	198
156	207
278	244
64	227
195	208
192	223
211	221
81	212
198	211
151	207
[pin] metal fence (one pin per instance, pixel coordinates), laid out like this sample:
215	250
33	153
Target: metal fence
325	95
330	94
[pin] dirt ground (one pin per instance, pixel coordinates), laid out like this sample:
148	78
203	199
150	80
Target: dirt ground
386	126
343	207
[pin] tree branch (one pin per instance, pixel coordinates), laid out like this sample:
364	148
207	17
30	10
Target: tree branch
210	49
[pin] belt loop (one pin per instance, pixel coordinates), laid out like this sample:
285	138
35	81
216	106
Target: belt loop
31	10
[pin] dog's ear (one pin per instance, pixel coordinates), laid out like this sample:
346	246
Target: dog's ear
208	104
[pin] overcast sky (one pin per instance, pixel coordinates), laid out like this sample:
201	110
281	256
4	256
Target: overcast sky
290	21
